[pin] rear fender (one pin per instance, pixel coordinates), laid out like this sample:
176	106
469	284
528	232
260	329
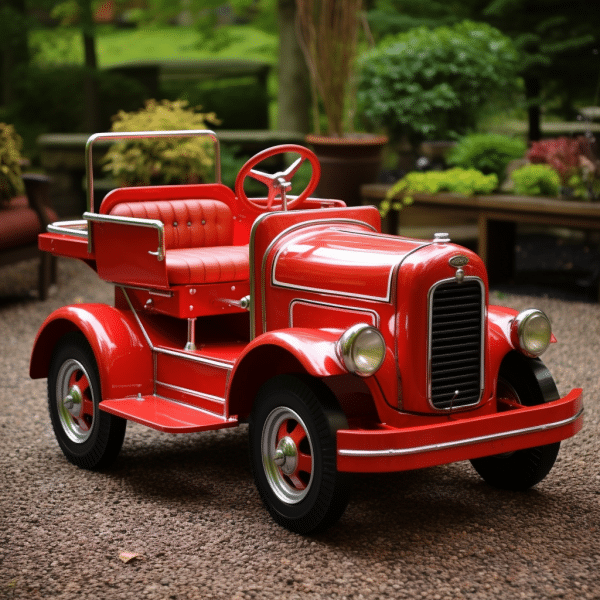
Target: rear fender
284	351
124	358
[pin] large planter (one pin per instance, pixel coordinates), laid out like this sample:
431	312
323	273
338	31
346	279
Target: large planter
346	164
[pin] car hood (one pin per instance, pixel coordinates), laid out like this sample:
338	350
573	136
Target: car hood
342	261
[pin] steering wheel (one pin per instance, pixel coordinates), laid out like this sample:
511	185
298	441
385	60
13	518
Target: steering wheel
280	183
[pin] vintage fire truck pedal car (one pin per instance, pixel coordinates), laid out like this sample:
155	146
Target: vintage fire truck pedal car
346	350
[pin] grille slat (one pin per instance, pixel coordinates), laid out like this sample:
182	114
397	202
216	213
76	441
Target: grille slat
455	344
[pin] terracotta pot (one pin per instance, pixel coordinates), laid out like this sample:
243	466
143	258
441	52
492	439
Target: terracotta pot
346	164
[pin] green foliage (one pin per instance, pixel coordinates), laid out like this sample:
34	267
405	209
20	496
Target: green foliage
486	152
536	180
456	180
224	96
161	160
432	83
11	184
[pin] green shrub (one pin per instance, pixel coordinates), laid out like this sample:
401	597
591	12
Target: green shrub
456	180
536	180
486	152
11	184
242	103
146	161
432	83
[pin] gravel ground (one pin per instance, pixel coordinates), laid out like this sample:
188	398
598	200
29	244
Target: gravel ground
187	509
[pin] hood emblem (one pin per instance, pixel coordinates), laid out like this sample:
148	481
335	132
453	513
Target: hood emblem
458	262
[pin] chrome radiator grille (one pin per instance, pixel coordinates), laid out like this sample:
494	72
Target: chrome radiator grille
456	316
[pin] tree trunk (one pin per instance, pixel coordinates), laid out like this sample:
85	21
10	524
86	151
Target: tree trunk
533	89
14	49
91	119
294	97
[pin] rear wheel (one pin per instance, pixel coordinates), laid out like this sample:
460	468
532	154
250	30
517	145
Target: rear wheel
89	438
527	382
293	453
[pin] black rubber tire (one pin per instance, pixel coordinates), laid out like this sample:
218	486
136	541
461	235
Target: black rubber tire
93	439
297	402
532	384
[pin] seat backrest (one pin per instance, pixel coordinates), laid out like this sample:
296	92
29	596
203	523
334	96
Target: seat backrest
188	223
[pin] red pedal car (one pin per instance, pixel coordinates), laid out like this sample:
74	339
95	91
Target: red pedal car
345	349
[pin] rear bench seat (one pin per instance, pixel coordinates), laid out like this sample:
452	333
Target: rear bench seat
198	239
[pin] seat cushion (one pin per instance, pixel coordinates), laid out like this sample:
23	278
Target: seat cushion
20	225
190	266
188	223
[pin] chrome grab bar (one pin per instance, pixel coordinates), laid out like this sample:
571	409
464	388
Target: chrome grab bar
132	135
137	222
74	228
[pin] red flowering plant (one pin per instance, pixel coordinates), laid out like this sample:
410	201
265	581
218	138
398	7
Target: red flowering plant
576	162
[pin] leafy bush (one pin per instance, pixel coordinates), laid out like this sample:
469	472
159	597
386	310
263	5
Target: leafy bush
575	162
486	152
456	180
536	180
161	160
432	83
11	184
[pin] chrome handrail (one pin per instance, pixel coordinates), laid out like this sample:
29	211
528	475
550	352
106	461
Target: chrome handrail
132	135
74	228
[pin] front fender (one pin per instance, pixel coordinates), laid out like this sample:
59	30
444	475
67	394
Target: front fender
123	356
295	350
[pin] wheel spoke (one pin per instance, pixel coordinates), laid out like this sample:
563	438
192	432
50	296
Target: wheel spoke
262	177
305	463
298	434
298	483
293	168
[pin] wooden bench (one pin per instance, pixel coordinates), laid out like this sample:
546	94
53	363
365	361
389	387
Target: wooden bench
496	217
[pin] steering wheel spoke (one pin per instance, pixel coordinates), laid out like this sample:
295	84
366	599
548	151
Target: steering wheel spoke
278	184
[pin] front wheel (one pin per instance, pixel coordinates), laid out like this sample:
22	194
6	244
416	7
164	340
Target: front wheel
293	453
527	382
89	437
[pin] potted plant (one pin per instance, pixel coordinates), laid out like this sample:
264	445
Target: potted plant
328	32
11	182
155	161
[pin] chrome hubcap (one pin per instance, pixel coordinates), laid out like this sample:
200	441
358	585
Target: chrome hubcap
75	401
287	455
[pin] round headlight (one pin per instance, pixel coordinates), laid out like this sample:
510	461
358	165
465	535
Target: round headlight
362	349
531	332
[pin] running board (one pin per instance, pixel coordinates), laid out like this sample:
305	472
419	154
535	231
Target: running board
165	415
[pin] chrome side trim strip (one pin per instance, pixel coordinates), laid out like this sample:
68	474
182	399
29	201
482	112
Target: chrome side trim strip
197	408
458	443
356	309
194	393
212	362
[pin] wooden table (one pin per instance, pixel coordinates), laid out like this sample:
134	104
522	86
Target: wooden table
497	217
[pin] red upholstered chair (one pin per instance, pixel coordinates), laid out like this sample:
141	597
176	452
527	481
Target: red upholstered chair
20	223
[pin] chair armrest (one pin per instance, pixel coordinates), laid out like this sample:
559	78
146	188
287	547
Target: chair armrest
37	191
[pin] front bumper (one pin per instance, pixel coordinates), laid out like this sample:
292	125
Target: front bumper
461	438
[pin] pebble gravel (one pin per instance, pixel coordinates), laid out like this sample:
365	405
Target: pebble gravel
178	517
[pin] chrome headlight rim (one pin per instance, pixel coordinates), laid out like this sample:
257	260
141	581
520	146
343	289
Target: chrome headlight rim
349	345
521	330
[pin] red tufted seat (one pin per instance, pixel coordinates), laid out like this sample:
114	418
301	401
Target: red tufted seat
198	239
